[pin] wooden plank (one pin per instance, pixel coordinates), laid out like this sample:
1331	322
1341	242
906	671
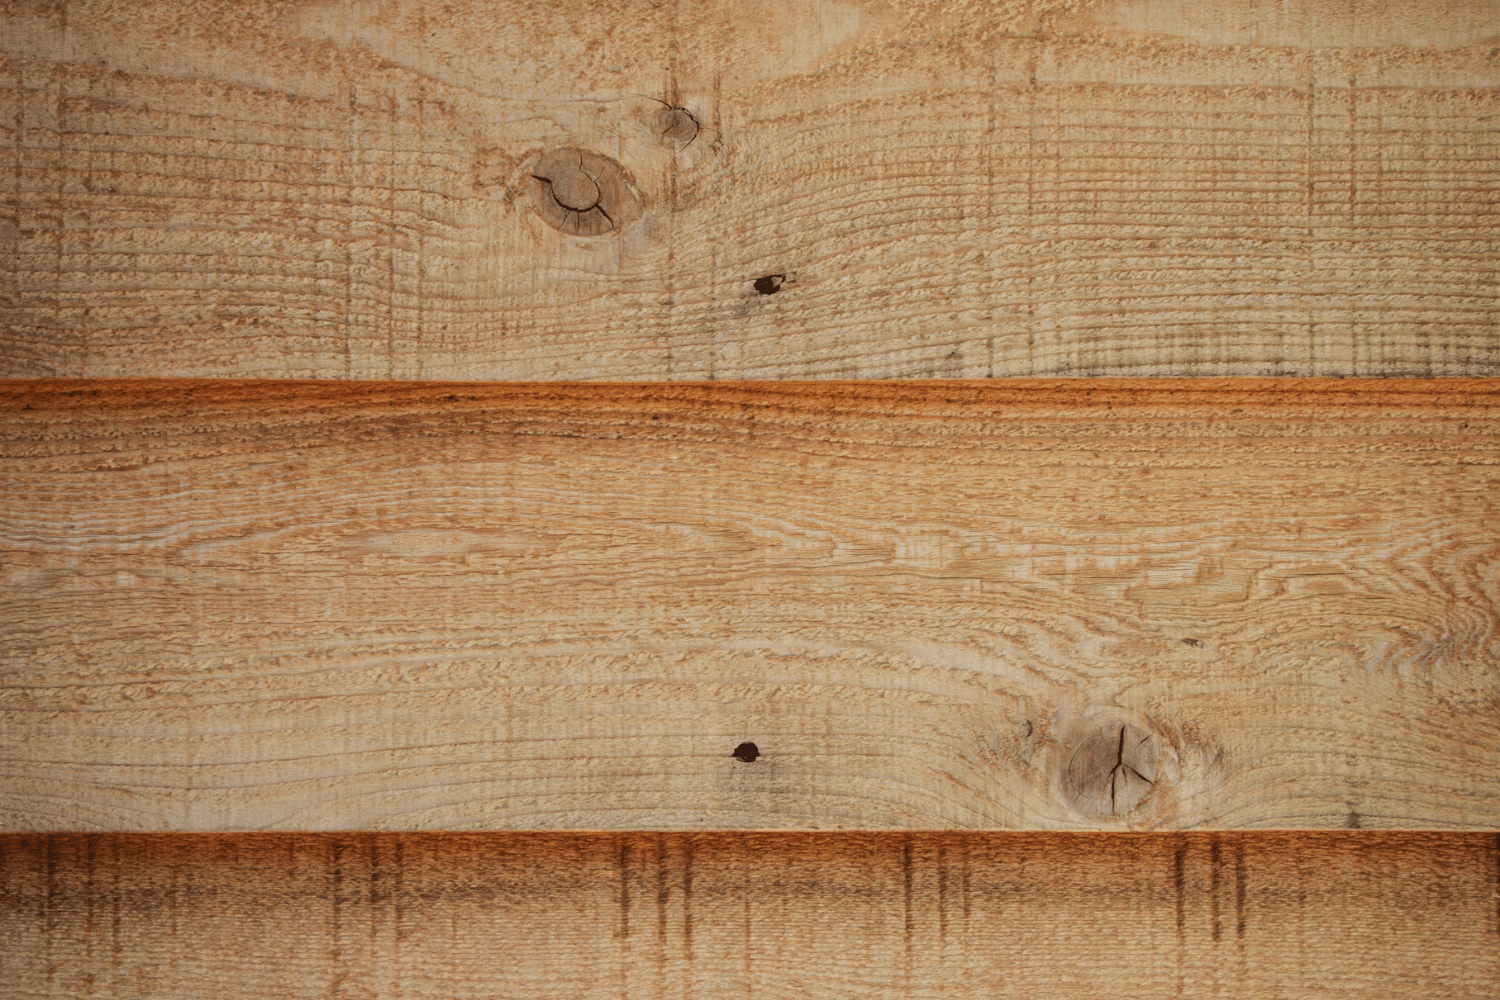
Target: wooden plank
828	916
1023	604
345	189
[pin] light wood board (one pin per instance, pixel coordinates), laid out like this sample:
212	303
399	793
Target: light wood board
948	189
824	916
334	605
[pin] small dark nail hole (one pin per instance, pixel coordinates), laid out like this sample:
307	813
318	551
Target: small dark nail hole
747	752
770	284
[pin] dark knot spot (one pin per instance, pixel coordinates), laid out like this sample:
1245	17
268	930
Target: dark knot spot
770	284
747	752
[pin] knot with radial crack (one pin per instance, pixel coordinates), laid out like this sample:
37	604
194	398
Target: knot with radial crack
1112	770
678	126
582	193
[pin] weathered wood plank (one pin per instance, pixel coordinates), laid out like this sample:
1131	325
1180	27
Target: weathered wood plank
342	189
764	915
329	605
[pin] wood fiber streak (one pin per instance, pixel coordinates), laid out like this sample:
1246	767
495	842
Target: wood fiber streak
343	189
827	916
325	605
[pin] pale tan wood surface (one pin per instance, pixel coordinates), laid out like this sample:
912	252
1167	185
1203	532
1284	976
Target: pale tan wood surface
967	189
1031	604
825	916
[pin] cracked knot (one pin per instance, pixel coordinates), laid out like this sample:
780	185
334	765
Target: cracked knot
1112	770
582	193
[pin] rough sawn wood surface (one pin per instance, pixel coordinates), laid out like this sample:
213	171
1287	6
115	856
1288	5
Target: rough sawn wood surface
1129	604
256	188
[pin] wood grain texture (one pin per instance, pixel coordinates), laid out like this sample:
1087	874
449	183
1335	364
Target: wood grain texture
826	916
334	605
950	189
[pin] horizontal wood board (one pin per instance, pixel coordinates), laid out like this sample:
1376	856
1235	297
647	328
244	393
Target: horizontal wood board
826	916
345	189
325	605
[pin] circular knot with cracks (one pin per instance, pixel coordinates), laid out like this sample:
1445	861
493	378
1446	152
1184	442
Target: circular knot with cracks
1112	770
582	193
678	126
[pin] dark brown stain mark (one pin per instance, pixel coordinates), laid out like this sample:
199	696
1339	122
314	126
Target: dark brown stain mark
942	887
663	905
116	947
747	752
336	900
398	913
687	898
49	911
377	898
1215	868
770	284
1239	893
90	890
967	876
1179	883
1353	821
1195	643
623	865
909	919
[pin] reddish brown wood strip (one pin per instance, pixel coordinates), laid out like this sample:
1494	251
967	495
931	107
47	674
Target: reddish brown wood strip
767	915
